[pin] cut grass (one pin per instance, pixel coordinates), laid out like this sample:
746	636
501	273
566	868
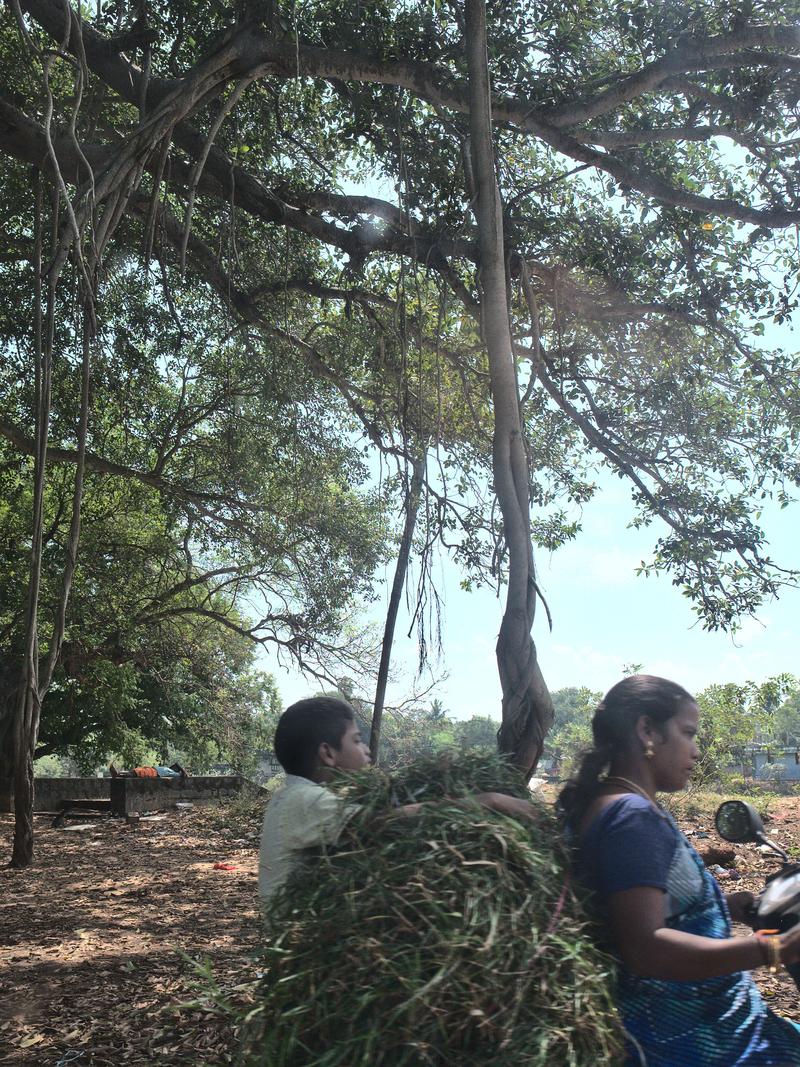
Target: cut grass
454	937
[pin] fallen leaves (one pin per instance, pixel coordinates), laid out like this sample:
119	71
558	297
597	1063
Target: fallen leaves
92	968
751	866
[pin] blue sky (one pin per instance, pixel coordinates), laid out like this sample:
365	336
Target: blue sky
604	617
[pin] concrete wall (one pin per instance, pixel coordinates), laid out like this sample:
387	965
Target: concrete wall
781	764
48	792
130	794
154	794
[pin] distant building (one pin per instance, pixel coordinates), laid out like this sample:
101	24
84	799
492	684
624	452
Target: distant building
772	761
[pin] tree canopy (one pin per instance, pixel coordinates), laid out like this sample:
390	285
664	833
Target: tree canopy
356	227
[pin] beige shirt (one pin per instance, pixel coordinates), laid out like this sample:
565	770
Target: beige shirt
302	814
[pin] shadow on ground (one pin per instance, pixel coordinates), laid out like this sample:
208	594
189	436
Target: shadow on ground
96	935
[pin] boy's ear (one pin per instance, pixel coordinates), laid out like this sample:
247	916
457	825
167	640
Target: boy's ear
326	754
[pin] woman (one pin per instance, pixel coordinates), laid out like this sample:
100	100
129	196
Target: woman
685	993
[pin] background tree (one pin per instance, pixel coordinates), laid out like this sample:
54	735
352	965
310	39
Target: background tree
732	718
786	719
571	734
478	732
191	556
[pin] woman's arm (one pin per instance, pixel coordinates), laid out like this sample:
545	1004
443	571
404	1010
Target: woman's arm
650	949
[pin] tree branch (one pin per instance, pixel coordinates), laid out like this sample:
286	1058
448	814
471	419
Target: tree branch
252	53
202	500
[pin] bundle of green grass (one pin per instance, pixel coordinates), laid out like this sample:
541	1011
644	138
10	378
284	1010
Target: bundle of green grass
451	938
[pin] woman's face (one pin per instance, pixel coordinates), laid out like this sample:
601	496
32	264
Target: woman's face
674	750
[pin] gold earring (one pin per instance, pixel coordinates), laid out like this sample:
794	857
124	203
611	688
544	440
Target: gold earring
649	751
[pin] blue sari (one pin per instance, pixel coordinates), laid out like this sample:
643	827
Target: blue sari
718	1022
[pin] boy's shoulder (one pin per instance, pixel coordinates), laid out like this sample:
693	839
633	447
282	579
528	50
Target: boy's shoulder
303	814
298	795
297	789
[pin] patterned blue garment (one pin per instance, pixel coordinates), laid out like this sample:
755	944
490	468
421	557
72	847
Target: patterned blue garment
718	1022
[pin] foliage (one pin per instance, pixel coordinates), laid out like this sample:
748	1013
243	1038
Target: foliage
56	767
573	703
566	745
626	265
264	323
571	733
416	731
732	717
215	475
390	925
785	725
478	733
202	715
160	635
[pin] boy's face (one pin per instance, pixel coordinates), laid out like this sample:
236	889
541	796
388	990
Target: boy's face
352	753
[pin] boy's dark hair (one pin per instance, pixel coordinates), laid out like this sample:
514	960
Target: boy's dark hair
304	726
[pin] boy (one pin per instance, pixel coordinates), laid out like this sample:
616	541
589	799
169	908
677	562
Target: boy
314	738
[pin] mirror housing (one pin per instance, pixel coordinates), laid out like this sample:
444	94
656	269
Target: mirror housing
738	821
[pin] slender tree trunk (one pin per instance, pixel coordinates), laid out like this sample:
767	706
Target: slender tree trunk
36	678
26	718
27	722
9	680
527	707
400	571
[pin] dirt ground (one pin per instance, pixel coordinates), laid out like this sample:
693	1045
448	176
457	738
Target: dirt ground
94	939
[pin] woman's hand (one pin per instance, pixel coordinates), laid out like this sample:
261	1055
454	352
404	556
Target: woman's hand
741	906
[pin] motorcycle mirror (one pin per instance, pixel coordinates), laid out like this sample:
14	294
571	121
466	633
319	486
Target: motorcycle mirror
738	822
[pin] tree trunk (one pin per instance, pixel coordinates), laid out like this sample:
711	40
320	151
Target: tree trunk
7	710
26	718
26	724
400	571
527	708
35	677
36	680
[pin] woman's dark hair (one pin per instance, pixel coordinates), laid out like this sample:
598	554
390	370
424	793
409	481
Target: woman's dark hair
612	732
304	726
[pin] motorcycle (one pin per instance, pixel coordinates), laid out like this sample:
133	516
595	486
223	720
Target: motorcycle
778	906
